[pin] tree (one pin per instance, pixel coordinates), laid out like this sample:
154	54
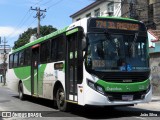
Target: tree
24	37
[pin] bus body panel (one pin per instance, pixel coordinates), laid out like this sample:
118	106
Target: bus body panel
50	76
12	80
47	76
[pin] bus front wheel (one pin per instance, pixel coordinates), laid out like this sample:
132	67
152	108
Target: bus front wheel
60	99
20	90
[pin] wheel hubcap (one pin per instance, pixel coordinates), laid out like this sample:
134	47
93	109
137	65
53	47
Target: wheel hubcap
20	93
61	98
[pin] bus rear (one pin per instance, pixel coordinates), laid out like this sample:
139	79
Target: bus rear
116	62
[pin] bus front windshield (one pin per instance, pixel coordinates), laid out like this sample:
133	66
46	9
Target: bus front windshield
116	52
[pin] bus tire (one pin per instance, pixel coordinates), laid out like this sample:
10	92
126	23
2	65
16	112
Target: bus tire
60	100
20	91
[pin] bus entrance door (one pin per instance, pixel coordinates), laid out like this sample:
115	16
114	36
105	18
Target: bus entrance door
74	66
71	69
34	70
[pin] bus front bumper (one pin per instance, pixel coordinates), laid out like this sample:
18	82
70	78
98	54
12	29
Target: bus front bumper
92	97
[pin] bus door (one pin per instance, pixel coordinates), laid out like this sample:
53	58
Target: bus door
74	67
34	70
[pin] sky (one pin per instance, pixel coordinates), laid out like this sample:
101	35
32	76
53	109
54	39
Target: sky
16	16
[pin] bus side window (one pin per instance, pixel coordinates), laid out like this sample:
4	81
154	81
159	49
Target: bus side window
15	59
27	58
53	50
45	52
21	58
57	49
61	47
10	61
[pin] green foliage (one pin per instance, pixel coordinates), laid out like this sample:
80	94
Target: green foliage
24	37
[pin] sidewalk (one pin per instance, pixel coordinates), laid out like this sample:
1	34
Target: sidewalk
155	98
2	85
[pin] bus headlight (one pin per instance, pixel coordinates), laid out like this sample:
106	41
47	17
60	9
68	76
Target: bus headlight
96	87
91	84
100	89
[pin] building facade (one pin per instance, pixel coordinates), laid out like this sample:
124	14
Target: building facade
155	61
156	13
2	58
99	8
147	11
136	9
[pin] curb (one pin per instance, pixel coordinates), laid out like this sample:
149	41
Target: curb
155	98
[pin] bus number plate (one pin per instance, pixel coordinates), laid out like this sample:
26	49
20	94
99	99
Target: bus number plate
127	97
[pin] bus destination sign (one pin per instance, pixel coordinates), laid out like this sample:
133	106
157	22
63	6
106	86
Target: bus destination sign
117	25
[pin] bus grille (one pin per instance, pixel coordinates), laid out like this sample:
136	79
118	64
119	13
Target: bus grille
125	78
114	96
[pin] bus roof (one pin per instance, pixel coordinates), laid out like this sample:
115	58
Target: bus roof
41	39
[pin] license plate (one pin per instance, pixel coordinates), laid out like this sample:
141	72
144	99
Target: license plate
127	97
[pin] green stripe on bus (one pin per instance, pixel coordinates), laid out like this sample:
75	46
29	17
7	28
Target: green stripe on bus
24	74
72	31
41	39
124	87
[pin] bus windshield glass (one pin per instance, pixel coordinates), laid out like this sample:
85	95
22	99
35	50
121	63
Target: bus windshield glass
116	52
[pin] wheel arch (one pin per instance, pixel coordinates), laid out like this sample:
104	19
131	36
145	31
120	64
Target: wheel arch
55	88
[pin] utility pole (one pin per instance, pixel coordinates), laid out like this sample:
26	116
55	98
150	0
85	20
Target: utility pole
4	59
132	9
39	16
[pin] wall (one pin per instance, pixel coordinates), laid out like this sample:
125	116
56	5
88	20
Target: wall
155	72
103	10
1	55
140	7
157	47
156	9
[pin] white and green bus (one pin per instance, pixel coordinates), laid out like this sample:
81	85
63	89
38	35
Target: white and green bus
100	61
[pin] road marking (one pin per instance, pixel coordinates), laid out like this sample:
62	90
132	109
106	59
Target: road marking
141	118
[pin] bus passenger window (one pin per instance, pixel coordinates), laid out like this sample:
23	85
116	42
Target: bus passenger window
21	58
57	49
11	61
45	52
27	58
15	60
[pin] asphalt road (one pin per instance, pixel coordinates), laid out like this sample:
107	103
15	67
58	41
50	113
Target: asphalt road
9	102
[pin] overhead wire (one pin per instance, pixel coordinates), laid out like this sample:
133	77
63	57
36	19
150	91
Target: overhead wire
59	1
24	20
21	24
37	2
47	2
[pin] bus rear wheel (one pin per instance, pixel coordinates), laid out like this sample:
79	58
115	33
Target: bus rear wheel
20	91
60	99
